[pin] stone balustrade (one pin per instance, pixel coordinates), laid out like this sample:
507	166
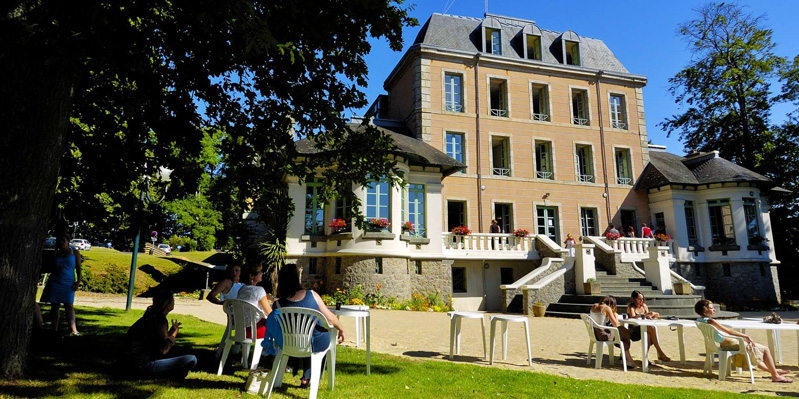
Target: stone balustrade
636	249
500	245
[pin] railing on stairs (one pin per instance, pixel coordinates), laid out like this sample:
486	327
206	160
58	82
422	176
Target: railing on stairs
633	249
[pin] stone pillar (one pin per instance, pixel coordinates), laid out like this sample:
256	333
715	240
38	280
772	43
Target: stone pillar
657	269
584	265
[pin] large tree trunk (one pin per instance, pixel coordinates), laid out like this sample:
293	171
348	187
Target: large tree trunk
35	102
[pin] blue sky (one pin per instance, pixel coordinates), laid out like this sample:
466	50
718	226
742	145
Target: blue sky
642	35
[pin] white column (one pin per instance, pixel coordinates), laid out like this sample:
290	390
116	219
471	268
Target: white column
739	223
703	224
657	269
763	209
678	228
584	265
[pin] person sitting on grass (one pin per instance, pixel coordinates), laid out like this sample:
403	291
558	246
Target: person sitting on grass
604	313
637	309
148	340
757	352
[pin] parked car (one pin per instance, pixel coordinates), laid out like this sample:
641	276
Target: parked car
166	248
81	244
49	242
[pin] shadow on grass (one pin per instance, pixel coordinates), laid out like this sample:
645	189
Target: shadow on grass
426	354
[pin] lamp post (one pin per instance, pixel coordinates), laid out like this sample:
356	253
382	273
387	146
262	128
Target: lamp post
144	198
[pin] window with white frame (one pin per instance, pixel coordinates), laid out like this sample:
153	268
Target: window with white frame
624	174
493	44
722	229
416	209
543	160
454	147
752	225
378	200
314	209
588	222
618	112
453	92
572	53
584	163
500	155
540	102
498	97
690	224
580	107
342	212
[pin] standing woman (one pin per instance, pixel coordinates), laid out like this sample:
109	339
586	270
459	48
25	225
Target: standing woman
62	284
637	309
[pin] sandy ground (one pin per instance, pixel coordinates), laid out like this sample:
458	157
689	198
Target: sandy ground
559	346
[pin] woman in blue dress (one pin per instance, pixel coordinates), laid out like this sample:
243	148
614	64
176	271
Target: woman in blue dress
62	284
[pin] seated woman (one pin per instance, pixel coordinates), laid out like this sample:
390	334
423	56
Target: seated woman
637	309
148	340
757	352
227	288
604	313
256	295
291	294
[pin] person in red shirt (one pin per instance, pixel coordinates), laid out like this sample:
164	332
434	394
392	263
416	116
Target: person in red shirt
646	232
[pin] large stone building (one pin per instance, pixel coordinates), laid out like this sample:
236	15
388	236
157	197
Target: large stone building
497	118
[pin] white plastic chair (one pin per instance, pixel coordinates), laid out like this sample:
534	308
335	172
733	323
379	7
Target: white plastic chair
725	356
590	324
297	325
241	316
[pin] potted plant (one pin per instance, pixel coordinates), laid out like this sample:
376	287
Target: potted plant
521	233
461	231
662	238
340	297
407	228
338	225
539	309
591	287
376	225
682	288
612	236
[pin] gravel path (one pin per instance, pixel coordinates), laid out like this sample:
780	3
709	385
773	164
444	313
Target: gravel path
558	345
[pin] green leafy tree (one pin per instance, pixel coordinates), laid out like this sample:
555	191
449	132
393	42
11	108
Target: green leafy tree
725	87
124	81
195	217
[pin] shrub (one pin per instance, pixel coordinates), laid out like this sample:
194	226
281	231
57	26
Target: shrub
113	280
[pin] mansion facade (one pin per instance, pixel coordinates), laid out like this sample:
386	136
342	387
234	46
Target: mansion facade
495	118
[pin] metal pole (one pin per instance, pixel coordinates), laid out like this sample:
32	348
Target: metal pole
133	261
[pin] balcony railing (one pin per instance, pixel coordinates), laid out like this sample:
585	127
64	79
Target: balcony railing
506	245
619	125
541	117
544	175
624	180
585	178
501	172
635	249
452	107
580	121
499	112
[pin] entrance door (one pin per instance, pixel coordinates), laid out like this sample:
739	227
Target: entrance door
547	221
627	220
456	214
504	216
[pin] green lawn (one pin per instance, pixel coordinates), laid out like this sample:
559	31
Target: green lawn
84	367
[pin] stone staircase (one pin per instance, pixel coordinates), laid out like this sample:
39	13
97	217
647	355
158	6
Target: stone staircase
682	306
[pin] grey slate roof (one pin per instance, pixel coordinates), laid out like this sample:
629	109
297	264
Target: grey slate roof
417	151
464	34
706	168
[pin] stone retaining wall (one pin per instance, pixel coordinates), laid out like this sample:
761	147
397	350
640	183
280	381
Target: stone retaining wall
749	284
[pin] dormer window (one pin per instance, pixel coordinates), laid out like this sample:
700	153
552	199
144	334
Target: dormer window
572	53
533	47
493	43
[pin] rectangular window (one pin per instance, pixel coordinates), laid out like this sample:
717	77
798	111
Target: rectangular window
580	107
506	275
403	189
690	224
378	200
312	266
624	173
493	44
572	53
534	47
543	160
540	101
379	265
342	212
458	279
456	214
314	209
547	221
500	155
752	226
498	97
503	213
618	112
588	222
338	265
417	267
453	92
722	228
416	209
660	221
454	147
585	164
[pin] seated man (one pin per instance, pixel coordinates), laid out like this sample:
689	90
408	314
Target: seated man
148	340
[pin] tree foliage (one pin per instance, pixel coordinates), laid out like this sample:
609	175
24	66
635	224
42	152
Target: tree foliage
129	86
